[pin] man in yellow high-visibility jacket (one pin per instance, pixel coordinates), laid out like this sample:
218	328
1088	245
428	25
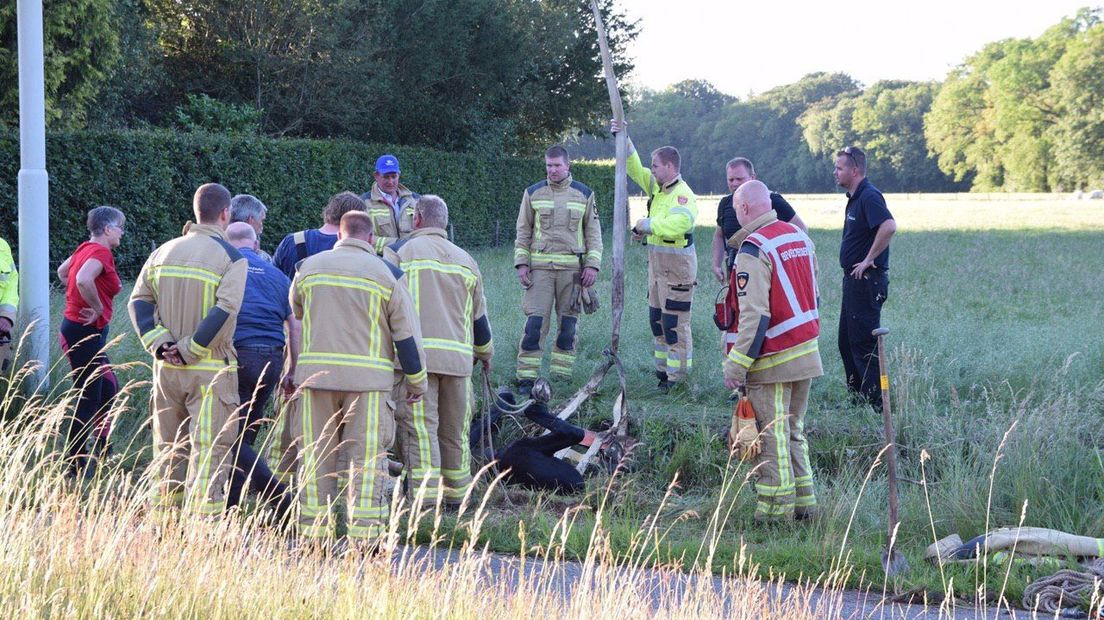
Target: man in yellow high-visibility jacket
9	303
668	231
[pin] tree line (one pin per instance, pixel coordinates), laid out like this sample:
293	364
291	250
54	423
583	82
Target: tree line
508	77
1019	115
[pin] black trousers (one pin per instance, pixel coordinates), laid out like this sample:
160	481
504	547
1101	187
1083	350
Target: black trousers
531	462
259	368
861	314
93	379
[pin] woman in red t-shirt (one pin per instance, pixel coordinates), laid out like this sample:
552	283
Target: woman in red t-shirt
91	284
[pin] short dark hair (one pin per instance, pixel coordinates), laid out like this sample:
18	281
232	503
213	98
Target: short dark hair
339	205
741	161
557	152
356	224
102	217
210	200
668	155
856	155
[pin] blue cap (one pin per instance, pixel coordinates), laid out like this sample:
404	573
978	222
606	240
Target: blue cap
387	163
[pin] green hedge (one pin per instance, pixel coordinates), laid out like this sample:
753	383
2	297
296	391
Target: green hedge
151	176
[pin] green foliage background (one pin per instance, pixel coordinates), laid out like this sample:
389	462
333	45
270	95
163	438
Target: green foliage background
151	176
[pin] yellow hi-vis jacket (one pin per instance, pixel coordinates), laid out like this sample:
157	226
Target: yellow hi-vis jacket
189	292
386	227
9	283
447	289
557	223
357	318
672	209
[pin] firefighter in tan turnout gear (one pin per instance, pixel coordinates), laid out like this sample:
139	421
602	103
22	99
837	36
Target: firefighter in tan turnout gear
184	307
447	289
558	246
357	317
775	350
390	204
668	231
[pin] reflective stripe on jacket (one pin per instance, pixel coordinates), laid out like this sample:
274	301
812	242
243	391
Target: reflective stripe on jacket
357	318
189	292
773	291
672	210
386	227
447	289
556	225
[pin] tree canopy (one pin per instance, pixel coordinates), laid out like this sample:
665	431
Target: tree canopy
497	75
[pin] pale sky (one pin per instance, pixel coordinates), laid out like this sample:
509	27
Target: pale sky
744	47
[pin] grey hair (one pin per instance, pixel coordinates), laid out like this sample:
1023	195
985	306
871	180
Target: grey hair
102	217
433	210
245	206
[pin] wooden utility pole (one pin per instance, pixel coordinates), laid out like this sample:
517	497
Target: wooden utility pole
620	185
620	224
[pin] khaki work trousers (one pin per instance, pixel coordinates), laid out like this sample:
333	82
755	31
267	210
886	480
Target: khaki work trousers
785	477
432	436
672	278
551	289
194	426
285	438
360	425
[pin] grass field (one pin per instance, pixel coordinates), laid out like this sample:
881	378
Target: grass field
996	358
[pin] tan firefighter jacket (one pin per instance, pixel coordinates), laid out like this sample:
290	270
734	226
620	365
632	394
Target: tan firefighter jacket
447	289
557	224
357	318
386	227
189	292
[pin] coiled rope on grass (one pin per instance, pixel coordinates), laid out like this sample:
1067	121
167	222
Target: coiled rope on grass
1065	590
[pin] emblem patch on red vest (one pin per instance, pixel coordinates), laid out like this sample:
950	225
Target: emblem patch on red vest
741	280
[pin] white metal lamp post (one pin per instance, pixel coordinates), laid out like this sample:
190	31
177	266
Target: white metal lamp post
34	217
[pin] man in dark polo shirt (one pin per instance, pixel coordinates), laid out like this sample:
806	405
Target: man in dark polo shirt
864	257
259	342
299	245
739	171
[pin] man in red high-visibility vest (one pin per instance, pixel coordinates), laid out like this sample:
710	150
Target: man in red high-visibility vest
774	352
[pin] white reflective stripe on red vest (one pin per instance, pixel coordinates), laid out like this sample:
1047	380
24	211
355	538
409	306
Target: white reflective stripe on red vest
795	318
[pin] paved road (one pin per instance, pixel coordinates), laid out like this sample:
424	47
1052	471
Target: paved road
667	588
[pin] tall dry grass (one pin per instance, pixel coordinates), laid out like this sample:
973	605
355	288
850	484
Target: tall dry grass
90	548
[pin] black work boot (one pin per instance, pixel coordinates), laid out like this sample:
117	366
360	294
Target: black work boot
664	385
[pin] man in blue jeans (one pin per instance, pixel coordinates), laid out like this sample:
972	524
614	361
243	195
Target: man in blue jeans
259	342
864	256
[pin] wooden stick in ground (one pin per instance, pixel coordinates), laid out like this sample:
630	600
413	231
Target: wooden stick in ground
620	184
586	391
892	561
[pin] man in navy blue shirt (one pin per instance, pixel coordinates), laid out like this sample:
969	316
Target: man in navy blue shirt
740	170
299	245
864	256
259	342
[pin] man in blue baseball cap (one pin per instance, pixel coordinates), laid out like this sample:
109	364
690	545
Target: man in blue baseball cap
389	203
